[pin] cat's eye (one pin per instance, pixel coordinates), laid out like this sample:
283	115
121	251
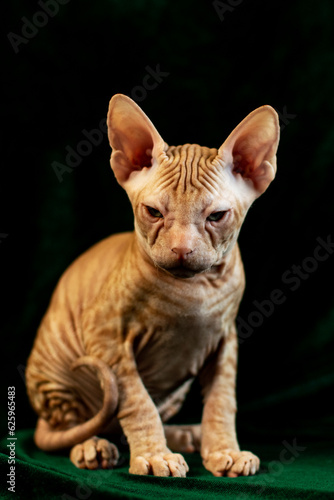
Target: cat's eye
154	212
216	216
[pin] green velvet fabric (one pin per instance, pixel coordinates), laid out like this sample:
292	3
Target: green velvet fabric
288	471
197	69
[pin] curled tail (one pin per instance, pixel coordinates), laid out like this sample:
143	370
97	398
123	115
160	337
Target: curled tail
49	439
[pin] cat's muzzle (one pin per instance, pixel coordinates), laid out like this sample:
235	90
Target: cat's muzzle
184	270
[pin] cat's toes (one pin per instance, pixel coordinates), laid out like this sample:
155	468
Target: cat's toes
232	463
245	463
184	439
169	464
94	453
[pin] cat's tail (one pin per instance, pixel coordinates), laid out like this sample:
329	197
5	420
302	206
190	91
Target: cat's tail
49	439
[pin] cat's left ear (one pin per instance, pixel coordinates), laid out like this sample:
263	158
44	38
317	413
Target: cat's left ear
134	139
250	150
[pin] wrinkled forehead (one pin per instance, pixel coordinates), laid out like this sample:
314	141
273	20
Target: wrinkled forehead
189	173
188	169
186	178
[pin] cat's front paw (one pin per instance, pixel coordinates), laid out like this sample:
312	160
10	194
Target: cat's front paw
169	464
231	463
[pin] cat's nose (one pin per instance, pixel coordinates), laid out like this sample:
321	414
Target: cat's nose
181	252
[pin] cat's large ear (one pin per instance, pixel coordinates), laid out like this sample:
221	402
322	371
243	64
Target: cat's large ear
250	150
132	136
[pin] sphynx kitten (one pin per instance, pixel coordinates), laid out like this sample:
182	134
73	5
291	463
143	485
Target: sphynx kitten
135	318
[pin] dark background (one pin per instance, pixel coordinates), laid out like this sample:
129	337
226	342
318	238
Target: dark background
220	67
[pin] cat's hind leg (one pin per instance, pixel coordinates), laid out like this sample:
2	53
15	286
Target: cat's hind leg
183	438
63	421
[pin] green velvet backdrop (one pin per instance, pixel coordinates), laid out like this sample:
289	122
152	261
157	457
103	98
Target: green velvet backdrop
209	65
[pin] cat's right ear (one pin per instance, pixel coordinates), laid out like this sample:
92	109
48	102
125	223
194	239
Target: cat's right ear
134	139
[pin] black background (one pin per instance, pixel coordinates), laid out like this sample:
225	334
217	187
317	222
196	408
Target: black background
220	65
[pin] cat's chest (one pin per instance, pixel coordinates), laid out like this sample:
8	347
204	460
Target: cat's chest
168	353
177	330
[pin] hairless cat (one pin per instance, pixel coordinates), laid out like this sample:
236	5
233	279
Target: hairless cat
138	316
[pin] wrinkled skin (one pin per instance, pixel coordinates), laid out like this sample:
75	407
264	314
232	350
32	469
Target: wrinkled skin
146	312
